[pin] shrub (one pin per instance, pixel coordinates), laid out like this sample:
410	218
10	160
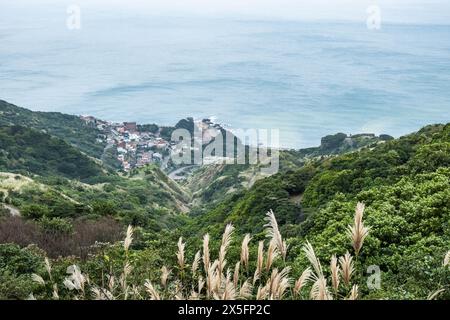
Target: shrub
60	237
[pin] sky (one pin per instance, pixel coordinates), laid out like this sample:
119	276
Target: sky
398	11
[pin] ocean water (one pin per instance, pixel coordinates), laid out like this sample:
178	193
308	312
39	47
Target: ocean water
307	79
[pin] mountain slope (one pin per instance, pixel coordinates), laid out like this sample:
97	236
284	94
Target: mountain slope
294	194
67	127
145	199
211	184
26	150
404	184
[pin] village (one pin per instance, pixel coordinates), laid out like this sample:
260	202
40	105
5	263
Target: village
135	145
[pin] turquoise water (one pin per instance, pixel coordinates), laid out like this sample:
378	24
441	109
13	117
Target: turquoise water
306	79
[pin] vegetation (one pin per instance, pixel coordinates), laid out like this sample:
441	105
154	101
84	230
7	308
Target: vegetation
146	199
269	277
60	237
25	150
62	211
69	128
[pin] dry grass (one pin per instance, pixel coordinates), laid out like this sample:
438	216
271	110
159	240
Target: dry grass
196	263
301	282
180	254
206	259
346	263
128	239
358	232
87	236
245	251
274	234
217	281
335	273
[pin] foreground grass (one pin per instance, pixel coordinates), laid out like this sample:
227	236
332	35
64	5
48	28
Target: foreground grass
208	278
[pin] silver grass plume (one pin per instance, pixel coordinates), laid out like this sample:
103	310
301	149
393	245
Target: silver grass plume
128	238
245	251
206	258
301	282
274	233
358	232
180	253
334	267
196	262
347	267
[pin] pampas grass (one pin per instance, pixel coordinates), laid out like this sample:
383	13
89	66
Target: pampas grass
434	295
346	263
38	279
236	274
76	281
180	254
153	293
319	290
354	293
262	293
272	254
358	232
278	283
246	290
259	262
128	238
274	234
217	281
302	281
437	293
335	273
127	268
245	251
226	241
165	273
55	294
196	263
229	290
212	279
311	255
206	259
48	268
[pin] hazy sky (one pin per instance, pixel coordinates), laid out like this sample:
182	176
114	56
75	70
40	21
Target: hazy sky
415	11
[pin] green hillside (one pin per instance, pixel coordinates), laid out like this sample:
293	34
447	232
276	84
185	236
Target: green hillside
54	196
210	185
318	182
67	127
26	150
404	184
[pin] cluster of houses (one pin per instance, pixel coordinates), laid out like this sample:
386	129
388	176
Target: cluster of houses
135	148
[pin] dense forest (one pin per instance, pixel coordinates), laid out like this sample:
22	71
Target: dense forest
64	216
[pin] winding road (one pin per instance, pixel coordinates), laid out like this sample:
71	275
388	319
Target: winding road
174	175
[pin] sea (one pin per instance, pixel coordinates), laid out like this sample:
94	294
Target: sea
307	79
